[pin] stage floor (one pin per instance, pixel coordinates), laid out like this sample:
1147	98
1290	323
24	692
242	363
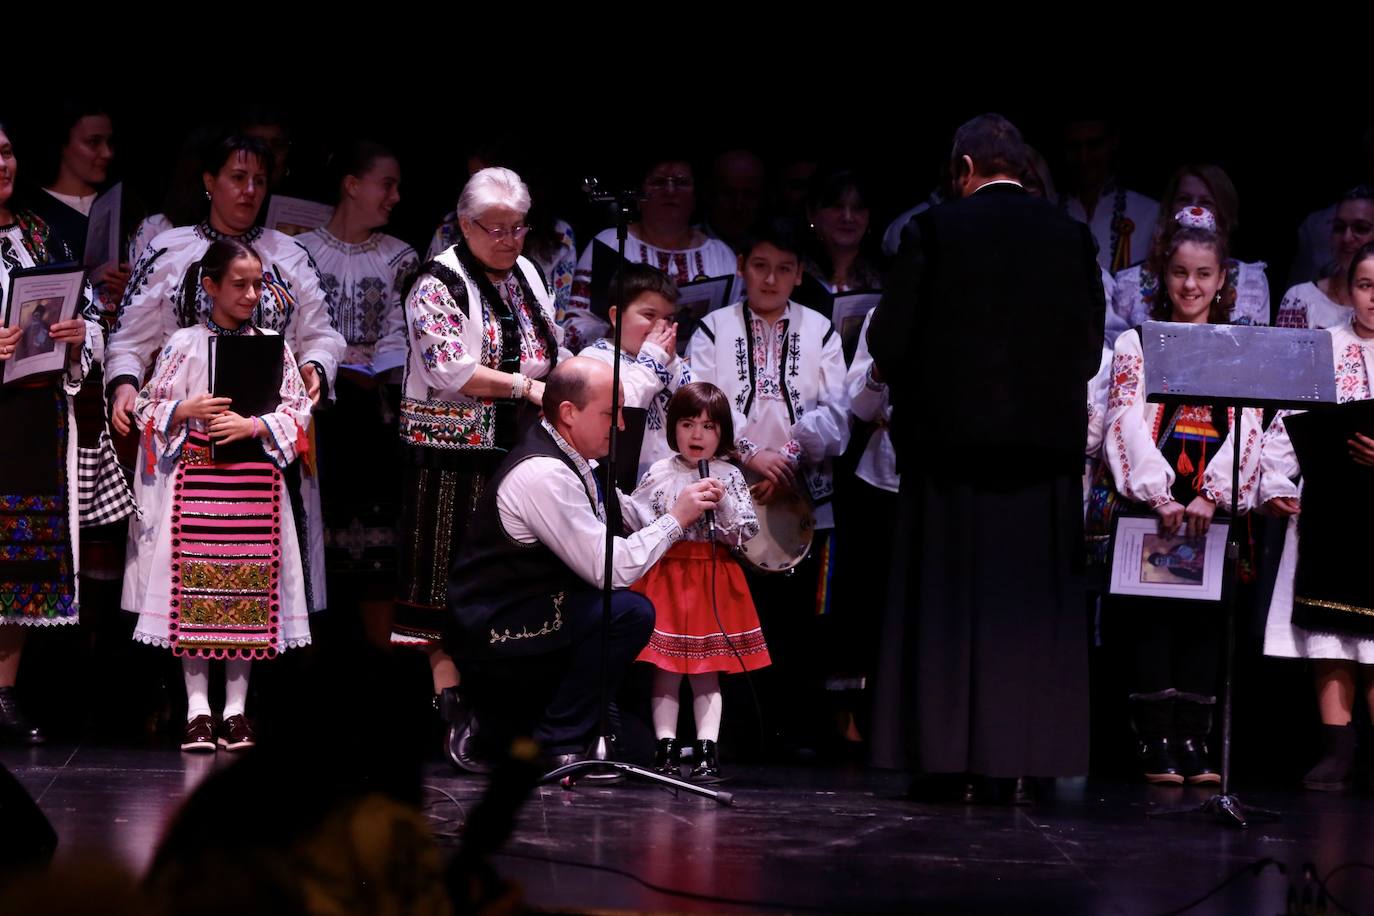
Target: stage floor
799	840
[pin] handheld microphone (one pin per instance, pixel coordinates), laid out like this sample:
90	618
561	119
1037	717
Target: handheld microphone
704	469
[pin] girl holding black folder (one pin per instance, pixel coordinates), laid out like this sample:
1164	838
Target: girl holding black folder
214	564
1322	604
165	294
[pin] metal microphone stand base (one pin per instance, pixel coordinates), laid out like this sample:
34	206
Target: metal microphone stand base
1225	808
593	770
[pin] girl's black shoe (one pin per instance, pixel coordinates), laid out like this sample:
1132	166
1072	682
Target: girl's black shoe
668	758
705	766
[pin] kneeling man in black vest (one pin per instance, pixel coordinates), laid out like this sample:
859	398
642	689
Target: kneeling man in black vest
526	589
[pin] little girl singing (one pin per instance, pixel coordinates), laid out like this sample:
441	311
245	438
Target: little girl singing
695	636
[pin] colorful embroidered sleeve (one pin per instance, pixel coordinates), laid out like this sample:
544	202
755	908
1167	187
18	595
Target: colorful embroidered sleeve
1216	484
824	429
391	348
444	352
736	519
581	326
1140	471
155	407
868	399
91	347
1279	468
147	318
564	267
311	334
288	426
581	296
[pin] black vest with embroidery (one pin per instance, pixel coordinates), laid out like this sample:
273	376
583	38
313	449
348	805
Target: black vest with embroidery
506	597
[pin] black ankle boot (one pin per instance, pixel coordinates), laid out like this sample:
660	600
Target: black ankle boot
668	757
1152	718
705	766
14	725
1192	724
460	733
1334	772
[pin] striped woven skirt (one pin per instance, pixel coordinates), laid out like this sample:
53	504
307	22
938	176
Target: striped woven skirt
226	556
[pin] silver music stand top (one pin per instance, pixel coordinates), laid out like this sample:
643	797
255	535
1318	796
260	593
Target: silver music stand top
1231	364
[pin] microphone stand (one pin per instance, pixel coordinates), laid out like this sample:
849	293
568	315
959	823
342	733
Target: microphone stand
599	766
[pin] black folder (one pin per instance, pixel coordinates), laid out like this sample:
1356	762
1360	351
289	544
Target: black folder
247	370
1337	494
605	262
628	443
1320	440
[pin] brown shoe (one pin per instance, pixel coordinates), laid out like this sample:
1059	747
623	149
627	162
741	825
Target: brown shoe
235	734
199	736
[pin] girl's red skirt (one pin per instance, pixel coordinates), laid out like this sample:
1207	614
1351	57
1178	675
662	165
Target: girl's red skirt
687	638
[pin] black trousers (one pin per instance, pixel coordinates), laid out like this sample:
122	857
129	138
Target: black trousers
556	696
1166	645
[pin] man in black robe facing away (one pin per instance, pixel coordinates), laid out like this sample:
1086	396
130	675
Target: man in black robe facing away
988	331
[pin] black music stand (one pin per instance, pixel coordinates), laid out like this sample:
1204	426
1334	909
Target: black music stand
1235	366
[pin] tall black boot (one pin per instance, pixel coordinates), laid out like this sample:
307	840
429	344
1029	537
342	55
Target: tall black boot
1335	771
1192	725
1152	717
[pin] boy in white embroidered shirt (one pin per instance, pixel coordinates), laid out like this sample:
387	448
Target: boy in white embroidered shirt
782	367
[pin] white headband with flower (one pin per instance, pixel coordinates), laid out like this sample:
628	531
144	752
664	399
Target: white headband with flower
1196	218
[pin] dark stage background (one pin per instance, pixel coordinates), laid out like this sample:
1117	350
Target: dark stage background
1286	156
1287	151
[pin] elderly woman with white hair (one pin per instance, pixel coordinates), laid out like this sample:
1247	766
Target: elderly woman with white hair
481	336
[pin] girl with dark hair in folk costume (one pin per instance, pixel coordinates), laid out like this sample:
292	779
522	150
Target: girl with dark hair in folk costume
705	621
1177	462
218	573
165	293
1322	606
